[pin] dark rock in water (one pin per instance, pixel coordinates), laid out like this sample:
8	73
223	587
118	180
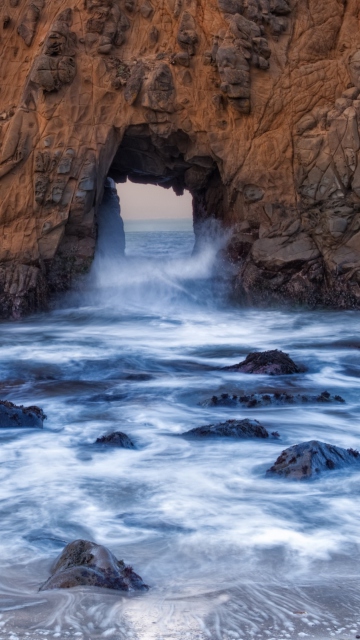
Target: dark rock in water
108	397
230	429
266	399
84	563
116	439
309	459
273	363
13	416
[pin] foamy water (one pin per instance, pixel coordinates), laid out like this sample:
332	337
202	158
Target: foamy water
227	552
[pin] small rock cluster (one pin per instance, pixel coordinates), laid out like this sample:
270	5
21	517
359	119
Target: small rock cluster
301	461
266	399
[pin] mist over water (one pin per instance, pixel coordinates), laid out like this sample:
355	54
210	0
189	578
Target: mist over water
227	552
158	268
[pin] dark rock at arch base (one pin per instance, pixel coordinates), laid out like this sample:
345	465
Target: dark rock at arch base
13	416
110	226
273	363
84	563
116	439
310	459
230	429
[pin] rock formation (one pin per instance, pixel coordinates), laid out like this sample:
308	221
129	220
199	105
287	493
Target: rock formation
230	429
252	105
116	439
273	363
84	563
278	398
13	416
110	245
309	459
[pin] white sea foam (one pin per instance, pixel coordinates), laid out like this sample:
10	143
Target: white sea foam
228	553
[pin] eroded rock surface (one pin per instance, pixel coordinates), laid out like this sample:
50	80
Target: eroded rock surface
84	563
310	459
13	416
273	363
252	106
116	439
230	429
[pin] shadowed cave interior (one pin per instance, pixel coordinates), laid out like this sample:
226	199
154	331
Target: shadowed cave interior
147	158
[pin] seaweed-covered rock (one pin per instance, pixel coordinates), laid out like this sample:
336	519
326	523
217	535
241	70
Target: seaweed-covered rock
309	459
84	563
273	363
116	439
230	429
265	399
13	416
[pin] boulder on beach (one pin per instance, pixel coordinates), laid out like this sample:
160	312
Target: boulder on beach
230	429
13	416
309	459
84	563
277	398
273	363
116	439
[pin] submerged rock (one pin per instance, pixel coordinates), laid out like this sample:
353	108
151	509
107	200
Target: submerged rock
116	439
266	399
230	429
273	363
309	459
108	397
13	416
84	563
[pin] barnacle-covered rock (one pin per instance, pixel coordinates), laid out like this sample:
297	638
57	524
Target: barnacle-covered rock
230	429
273	363
309	459
116	439
86	564
13	416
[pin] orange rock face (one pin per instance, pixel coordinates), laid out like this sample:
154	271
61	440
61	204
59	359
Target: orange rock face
252	105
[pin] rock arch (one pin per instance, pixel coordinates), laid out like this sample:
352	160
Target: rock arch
145	155
251	104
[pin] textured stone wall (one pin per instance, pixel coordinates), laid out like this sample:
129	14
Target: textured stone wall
252	105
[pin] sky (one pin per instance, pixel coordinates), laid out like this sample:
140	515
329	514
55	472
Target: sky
147	202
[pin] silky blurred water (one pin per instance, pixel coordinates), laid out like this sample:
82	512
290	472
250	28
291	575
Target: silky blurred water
227	552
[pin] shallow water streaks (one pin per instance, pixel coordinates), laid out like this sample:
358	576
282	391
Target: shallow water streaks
222	551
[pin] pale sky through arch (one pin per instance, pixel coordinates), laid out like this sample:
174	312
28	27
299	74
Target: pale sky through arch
149	202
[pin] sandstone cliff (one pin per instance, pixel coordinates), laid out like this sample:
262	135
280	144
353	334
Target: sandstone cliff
252	105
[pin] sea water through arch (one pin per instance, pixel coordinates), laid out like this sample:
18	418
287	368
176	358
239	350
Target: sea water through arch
227	552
